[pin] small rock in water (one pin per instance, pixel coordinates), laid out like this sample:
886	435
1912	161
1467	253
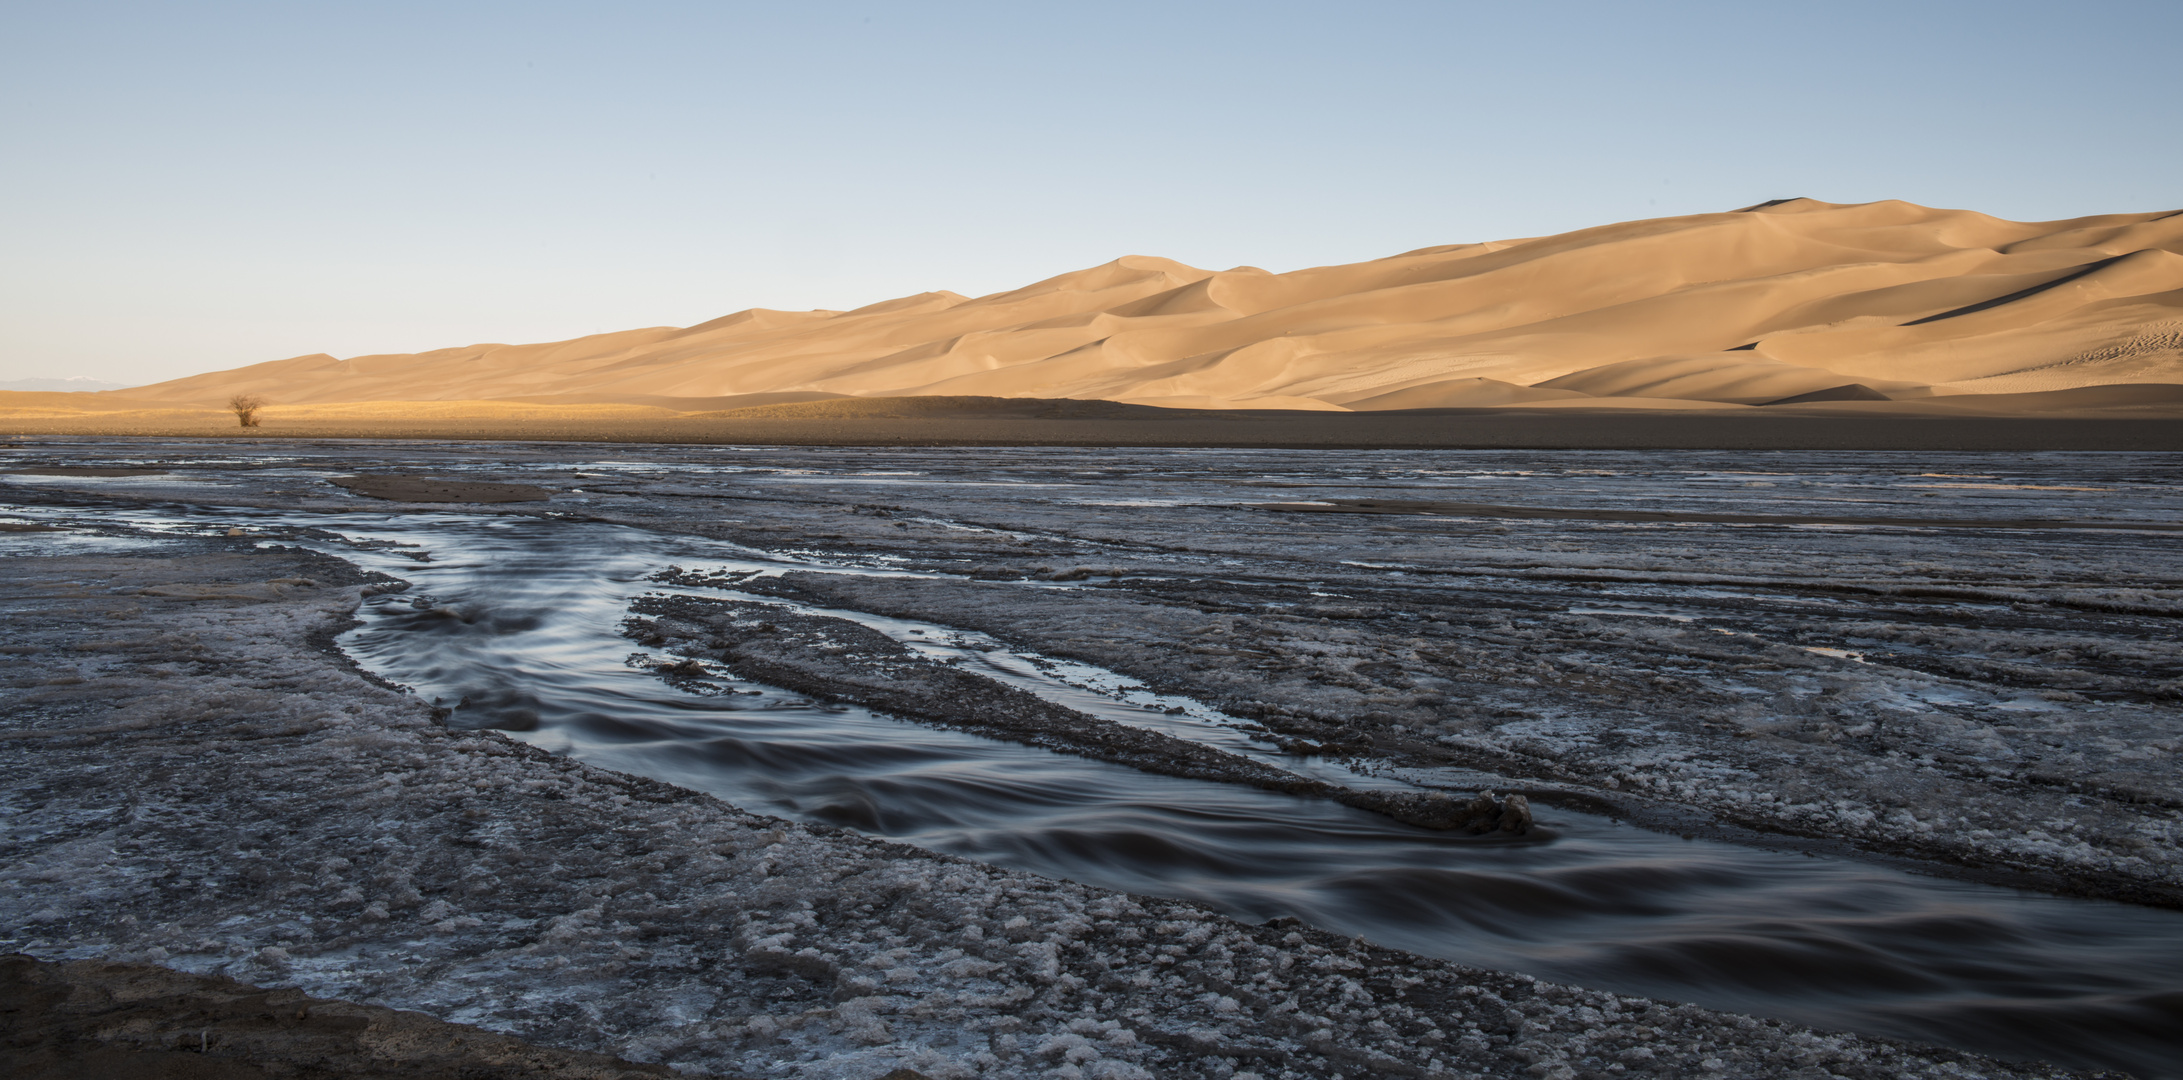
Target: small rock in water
1490	812
1516	815
1486	813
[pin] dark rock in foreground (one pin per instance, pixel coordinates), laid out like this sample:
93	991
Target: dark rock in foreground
143	1022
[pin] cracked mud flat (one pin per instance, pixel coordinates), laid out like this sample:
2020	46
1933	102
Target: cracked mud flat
2019	690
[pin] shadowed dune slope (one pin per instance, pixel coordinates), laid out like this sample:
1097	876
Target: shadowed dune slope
1786	302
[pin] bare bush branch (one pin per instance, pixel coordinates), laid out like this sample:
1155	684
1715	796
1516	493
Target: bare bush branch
245	407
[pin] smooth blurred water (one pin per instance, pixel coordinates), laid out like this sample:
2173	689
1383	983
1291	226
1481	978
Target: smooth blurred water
513	622
519	621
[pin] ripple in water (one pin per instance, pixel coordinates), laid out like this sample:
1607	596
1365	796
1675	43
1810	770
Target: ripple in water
522	626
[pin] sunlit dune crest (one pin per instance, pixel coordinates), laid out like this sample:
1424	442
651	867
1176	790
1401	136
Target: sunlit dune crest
1795	304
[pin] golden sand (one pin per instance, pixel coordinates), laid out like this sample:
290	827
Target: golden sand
1872	310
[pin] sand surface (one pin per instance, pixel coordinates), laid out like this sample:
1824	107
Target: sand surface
1851	309
1769	429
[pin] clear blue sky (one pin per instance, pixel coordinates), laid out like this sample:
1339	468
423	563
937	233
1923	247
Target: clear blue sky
202	185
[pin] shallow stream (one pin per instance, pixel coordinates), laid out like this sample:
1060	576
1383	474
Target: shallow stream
513	622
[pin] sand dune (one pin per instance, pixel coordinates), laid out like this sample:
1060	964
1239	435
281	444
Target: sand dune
1793	300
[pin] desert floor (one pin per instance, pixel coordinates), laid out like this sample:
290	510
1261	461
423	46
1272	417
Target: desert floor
647	789
1850	426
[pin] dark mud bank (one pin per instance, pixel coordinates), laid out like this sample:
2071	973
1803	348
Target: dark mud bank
89	1019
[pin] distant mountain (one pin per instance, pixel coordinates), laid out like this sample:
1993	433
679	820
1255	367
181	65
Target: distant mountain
74	385
1791	301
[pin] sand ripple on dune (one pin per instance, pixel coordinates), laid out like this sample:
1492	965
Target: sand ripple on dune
1783	300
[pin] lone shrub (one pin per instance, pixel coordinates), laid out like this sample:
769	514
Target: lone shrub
245	407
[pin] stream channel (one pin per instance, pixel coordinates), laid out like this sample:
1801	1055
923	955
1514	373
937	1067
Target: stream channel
517	619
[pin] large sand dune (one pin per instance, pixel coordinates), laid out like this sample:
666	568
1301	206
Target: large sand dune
1874	307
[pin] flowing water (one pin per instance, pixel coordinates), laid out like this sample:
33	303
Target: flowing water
514	622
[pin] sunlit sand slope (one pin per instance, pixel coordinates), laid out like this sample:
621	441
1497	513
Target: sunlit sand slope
1837	305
